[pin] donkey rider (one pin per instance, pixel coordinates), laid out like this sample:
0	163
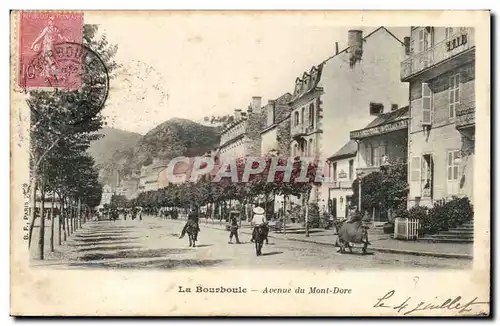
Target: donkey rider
192	218
259	220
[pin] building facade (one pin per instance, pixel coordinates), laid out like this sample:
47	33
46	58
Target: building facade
242	136
344	93
382	142
342	171
440	70
275	135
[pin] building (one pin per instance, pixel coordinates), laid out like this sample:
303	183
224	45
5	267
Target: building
275	135
342	172
107	193
382	142
440	70
128	188
242	136
345	92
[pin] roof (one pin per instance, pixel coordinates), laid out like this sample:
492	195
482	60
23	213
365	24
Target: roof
348	150
388	117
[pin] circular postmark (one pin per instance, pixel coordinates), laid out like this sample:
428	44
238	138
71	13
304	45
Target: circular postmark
69	77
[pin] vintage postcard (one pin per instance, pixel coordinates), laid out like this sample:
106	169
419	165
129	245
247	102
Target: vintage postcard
265	163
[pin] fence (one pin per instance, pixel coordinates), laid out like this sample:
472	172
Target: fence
405	228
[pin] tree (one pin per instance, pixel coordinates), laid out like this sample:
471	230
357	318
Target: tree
386	189
64	120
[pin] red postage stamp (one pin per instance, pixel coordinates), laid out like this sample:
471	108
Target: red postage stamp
40	50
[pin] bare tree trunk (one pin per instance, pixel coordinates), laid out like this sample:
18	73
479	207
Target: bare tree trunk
67	217
41	239
284	214
52	221
72	220
79	220
33	186
61	211
307	211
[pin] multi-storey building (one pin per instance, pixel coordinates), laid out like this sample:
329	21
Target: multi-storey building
383	142
440	70
344	93
342	166
242	136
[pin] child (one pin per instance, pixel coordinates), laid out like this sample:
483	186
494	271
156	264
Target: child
233	227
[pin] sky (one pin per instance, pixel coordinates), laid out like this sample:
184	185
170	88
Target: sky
195	65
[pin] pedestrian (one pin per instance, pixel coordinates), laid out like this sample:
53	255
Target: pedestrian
233	228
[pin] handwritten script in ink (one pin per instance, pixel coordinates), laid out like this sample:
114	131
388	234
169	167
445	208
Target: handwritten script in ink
408	306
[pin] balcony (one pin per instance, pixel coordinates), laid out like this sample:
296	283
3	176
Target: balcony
367	170
298	131
447	54
344	184
465	118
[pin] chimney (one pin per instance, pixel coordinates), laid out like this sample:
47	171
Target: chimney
407	45
336	48
237	114
355	43
256	104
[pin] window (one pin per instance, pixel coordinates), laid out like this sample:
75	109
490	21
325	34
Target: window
394	107
296	118
426	104
424	39
311	115
453	164
415	177
302	115
351	169
310	150
382	150
427	175
334	171
448	33
295	147
270	116
454	94
369	155
376	108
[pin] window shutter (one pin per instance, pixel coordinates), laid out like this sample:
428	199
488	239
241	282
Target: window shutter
426	104
415	177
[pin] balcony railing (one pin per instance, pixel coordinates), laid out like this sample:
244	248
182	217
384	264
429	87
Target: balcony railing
456	44
465	118
298	130
344	184
367	170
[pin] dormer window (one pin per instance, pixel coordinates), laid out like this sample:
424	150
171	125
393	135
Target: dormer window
376	108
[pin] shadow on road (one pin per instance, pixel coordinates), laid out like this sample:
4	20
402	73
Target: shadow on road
148	253
152	264
104	239
272	253
102	248
91	245
203	245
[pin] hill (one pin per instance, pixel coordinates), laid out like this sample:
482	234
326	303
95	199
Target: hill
172	138
102	150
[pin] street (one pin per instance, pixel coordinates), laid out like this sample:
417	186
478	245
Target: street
154	243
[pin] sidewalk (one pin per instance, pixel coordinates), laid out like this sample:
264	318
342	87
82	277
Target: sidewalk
379	241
